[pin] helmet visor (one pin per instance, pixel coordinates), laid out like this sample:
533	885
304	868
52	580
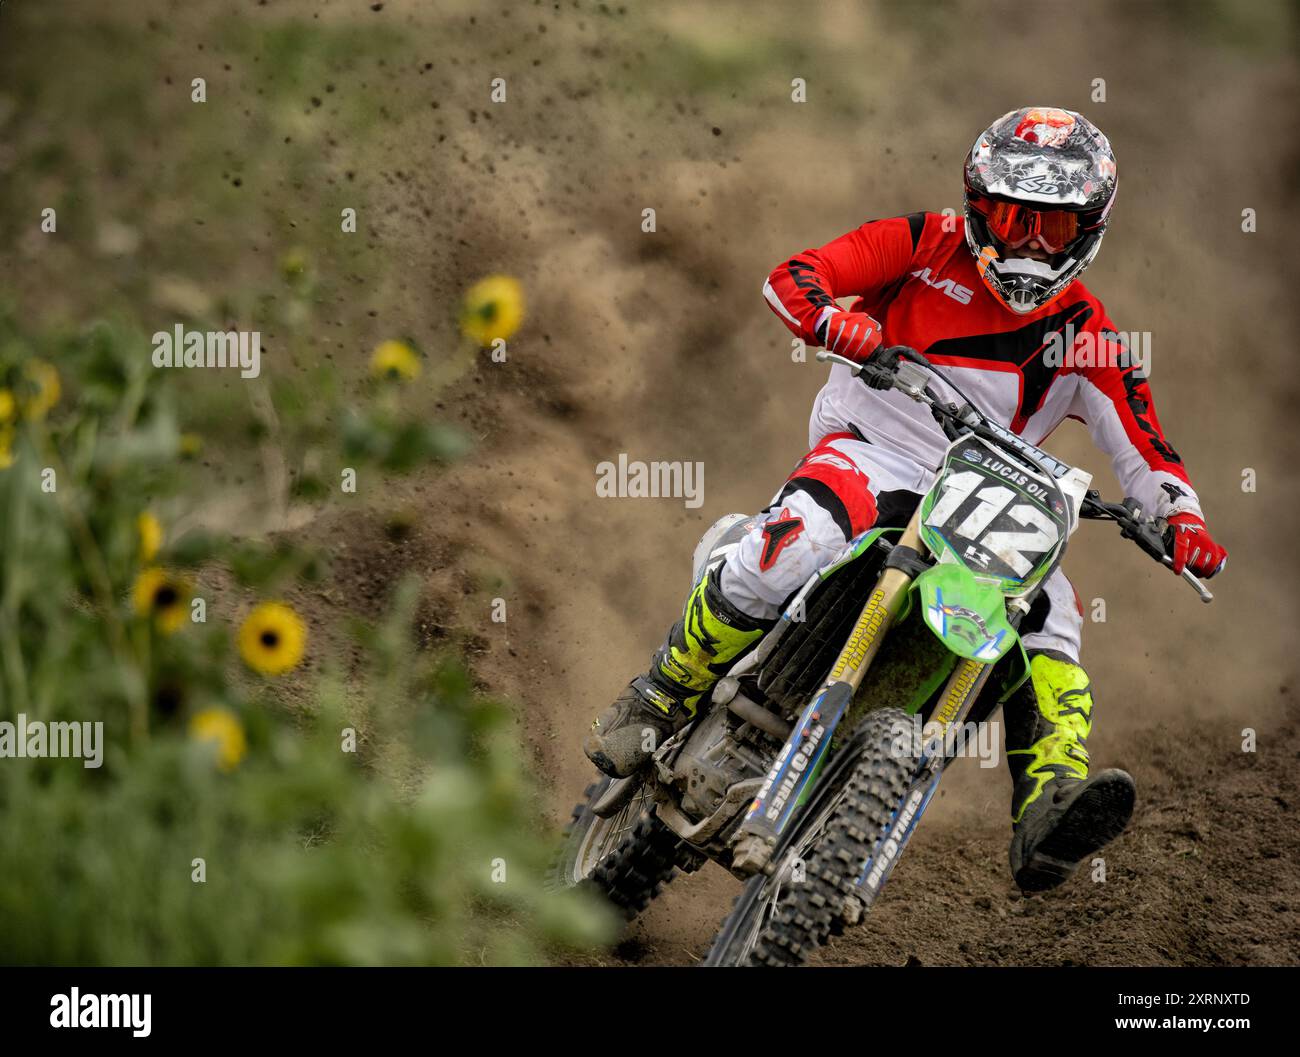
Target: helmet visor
1014	224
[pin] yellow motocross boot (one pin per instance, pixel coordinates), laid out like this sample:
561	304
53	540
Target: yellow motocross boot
701	647
1059	814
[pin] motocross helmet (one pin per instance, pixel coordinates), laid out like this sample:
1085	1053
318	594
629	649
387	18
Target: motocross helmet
1041	174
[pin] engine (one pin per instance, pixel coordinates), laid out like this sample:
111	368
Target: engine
716	757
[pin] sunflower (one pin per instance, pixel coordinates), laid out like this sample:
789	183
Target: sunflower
493	308
394	359
46	390
272	639
151	536
221	727
165	597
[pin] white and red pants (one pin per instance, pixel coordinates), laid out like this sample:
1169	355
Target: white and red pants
841	488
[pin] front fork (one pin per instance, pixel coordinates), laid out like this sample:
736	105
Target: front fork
938	746
792	774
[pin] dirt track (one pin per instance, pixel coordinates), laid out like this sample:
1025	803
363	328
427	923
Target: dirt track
659	345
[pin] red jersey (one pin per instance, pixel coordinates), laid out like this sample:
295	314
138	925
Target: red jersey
1028	372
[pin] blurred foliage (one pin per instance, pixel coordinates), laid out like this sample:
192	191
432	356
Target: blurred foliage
391	823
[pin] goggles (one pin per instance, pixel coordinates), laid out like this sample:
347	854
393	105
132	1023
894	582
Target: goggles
1014	224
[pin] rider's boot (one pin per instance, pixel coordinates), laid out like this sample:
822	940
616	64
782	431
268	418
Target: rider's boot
700	648
1060	815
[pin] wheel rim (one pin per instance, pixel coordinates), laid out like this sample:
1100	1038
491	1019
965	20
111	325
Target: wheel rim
606	834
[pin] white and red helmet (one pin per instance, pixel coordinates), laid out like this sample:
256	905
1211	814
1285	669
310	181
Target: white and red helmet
1038	174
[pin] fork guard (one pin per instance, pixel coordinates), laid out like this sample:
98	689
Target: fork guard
796	767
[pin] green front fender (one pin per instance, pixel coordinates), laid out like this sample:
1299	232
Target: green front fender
968	615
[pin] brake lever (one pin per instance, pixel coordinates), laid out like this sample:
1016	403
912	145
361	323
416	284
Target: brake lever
901	374
823	356
1191	578
1146	534
875	376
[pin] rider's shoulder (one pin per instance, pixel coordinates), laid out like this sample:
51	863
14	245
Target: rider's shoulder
904	232
915	221
1076	294
925	226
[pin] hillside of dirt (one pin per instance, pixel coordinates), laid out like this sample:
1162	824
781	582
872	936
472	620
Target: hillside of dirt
658	345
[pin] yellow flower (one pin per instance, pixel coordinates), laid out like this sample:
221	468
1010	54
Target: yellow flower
222	727
190	445
493	308
272	639
44	379
394	359
6	446
7	406
151	536
165	597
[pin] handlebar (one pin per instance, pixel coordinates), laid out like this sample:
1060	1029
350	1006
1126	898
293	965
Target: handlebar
1146	532
897	367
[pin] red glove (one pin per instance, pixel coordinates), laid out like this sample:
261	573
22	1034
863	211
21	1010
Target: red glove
852	334
1194	547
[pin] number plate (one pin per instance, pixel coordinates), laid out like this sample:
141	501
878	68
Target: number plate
995	515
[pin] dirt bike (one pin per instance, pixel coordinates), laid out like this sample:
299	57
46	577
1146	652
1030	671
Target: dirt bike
802	776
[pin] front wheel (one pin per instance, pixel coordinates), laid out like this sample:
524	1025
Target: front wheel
784	915
627	857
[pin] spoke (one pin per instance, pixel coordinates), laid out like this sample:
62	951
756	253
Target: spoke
605	835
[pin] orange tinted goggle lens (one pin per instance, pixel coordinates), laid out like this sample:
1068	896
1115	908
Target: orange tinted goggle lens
1014	225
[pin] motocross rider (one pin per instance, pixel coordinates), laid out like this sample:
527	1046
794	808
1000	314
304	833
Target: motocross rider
985	298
